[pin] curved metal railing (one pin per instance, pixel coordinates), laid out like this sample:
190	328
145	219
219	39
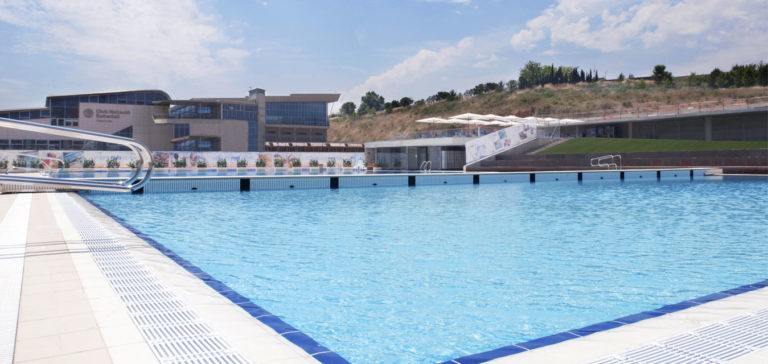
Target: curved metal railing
600	161
141	150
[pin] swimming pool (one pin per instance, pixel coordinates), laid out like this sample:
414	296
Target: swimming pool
433	273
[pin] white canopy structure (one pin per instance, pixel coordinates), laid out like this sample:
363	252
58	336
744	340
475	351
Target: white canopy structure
431	120
469	116
476	120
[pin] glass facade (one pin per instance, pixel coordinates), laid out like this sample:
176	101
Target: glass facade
191	112
26	114
297	113
249	113
180	130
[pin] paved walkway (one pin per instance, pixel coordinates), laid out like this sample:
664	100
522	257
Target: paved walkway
71	312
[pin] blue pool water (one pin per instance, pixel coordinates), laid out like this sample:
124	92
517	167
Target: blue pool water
429	274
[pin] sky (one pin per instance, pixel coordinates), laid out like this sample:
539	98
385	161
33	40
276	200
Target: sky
397	48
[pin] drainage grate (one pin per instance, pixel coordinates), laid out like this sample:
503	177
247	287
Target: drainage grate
174	332
716	343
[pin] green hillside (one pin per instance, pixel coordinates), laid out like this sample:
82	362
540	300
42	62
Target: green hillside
606	145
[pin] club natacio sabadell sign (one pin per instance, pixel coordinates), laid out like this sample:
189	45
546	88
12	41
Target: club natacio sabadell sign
104	113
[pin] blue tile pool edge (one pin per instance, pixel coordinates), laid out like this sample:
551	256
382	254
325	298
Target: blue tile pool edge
603	326
295	336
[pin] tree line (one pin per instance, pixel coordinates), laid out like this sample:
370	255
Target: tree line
746	75
534	74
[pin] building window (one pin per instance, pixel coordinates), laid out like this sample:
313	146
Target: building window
297	113
180	130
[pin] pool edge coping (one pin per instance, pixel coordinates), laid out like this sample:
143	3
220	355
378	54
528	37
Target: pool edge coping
556	338
294	336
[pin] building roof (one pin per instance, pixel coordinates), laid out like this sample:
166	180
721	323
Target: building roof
23	109
305	98
47	99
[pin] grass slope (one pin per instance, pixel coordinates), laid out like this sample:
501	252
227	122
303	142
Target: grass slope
606	145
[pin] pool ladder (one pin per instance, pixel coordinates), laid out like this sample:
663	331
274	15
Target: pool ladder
610	159
34	178
426	166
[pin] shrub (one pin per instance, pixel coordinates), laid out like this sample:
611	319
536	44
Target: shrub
331	163
113	162
242	163
313	163
296	162
221	163
132	164
279	162
201	163
180	163
159	163
3	164
88	163
261	163
347	163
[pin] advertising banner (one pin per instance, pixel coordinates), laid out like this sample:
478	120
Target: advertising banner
122	159
500	141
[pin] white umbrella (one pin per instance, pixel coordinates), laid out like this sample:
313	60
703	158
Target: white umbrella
467	116
479	122
494	117
430	120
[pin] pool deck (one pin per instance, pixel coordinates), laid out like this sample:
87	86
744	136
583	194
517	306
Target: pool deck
69	311
70	307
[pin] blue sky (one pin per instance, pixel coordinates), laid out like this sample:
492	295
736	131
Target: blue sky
208	48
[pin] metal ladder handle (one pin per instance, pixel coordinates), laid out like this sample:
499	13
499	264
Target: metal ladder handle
141	150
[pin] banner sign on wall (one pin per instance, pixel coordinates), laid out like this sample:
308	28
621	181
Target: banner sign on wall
99	158
500	141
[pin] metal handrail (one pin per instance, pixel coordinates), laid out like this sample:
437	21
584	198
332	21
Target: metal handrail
598	161
141	150
426	166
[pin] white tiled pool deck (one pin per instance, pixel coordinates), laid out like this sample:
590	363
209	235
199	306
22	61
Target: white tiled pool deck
69	312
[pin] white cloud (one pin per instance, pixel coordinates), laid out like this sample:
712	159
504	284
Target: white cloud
145	40
611	26
422	63
486	62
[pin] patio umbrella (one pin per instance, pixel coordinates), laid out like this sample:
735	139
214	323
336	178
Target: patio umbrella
431	120
467	116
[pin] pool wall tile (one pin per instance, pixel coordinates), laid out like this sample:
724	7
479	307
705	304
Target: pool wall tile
443	179
683	175
189	185
648	176
601	176
557	177
369	181
505	178
288	183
